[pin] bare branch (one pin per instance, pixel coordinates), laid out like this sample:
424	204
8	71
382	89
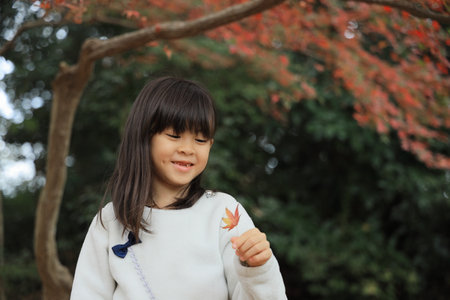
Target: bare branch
175	30
414	8
98	17
24	27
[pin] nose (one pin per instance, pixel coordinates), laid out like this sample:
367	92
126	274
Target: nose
186	147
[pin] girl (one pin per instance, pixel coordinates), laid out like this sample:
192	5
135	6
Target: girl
163	236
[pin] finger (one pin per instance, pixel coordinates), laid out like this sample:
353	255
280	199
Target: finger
257	248
238	241
259	259
234	242
251	241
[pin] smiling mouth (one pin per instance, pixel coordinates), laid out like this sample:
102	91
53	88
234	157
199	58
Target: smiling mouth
183	164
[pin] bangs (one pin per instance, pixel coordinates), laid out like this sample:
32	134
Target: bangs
185	107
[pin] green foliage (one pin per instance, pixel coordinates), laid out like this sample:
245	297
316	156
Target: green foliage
19	273
20	277
344	208
344	261
349	208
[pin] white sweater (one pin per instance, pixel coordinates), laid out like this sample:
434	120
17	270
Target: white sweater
188	255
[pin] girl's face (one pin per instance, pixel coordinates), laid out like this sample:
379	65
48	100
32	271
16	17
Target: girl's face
177	159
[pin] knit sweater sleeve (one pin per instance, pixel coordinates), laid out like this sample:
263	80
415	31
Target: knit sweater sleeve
263	282
93	279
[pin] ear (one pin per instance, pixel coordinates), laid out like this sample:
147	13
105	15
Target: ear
211	141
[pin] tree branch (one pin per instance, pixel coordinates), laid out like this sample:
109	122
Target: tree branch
178	29
24	27
173	30
98	17
414	8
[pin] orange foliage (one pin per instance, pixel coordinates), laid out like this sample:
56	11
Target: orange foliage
394	64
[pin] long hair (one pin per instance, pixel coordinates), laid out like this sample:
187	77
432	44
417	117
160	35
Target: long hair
164	102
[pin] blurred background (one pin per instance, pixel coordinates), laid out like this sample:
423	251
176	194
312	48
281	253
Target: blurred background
351	212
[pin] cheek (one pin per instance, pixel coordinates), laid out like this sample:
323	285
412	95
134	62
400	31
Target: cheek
160	153
153	153
205	156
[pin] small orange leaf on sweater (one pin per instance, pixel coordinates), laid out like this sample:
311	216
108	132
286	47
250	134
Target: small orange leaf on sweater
231	220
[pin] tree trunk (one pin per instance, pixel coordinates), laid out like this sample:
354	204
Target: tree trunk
68	87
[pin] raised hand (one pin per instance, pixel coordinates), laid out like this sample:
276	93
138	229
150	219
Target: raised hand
252	247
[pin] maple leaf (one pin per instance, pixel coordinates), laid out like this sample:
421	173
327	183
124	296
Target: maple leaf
231	220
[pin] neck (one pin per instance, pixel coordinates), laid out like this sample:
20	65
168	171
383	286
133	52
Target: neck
165	196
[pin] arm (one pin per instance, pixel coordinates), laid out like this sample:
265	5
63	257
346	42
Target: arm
93	279
262	278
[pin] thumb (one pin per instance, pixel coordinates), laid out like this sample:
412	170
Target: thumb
233	241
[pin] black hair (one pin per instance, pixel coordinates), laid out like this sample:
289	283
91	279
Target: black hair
164	102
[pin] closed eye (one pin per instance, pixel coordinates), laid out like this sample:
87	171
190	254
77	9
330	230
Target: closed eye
174	136
201	141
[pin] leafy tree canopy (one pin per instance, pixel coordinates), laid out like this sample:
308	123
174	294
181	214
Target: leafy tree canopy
395	64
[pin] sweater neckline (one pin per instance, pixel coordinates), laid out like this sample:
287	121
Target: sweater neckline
206	194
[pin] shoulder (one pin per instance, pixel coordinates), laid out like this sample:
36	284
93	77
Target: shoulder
223	198
105	225
217	200
217	203
107	213
104	217
231	216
